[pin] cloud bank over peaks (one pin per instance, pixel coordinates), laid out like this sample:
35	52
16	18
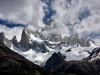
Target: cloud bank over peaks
79	16
11	32
27	12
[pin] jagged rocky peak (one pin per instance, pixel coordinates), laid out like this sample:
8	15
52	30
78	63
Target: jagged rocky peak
29	40
4	40
55	60
14	41
86	41
75	39
25	43
71	40
34	32
2	37
7	43
39	46
14	38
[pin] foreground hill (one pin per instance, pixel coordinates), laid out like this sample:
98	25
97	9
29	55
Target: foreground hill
56	63
12	63
79	68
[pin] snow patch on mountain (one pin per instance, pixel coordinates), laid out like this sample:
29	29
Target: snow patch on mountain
76	53
71	52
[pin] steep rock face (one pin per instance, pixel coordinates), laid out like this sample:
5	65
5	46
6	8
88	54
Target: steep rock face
24	43
55	60
39	47
74	39
7	43
4	40
2	37
27	42
14	41
95	54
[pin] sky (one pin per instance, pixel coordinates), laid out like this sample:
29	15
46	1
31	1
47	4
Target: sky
71	16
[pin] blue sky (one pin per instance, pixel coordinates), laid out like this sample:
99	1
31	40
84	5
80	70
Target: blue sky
10	24
50	12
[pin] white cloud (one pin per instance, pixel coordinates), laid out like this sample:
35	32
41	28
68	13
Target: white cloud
97	41
23	11
68	11
10	32
89	25
64	11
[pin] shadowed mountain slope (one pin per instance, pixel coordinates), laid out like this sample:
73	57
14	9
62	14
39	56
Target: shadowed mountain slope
12	63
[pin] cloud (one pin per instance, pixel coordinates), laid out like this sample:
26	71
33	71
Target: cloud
28	12
10	32
65	11
97	41
79	16
89	25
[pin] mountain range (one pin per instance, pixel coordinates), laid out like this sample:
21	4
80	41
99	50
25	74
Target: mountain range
37	43
52	51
